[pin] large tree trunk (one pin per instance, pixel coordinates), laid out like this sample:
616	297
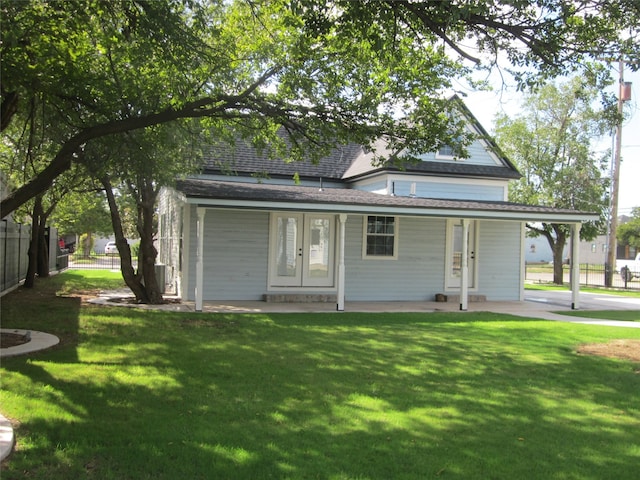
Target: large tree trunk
143	284
557	243
148	252
43	248
32	268
558	271
126	266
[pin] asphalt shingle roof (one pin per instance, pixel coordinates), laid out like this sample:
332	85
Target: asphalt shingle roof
345	162
213	189
243	159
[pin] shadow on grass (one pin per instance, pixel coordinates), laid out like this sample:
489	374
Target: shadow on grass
164	395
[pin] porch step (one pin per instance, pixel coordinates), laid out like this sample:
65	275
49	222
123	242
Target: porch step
456	298
299	298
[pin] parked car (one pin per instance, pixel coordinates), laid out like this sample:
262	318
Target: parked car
110	248
629	269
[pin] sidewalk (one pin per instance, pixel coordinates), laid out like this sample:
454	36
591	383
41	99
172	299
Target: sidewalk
537	304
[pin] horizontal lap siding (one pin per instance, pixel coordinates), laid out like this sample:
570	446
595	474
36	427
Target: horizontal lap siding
237	251
451	191
235	255
478	155
416	275
499	260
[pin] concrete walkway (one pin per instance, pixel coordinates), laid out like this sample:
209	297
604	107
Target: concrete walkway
537	304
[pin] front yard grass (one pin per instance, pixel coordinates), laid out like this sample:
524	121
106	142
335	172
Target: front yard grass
625	315
136	394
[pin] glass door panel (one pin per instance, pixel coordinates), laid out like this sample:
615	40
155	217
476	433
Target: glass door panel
302	250
454	254
287	254
318	258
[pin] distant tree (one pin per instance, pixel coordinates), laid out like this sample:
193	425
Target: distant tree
83	213
629	233
550	141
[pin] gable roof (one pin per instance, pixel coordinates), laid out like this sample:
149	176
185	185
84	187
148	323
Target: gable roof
350	162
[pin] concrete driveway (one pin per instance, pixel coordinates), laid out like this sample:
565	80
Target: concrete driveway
543	304
588	301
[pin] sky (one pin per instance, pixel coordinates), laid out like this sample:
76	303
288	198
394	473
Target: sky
485	105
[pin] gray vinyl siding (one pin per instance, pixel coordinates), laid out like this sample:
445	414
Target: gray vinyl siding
236	256
478	155
499	260
373	187
236	252
450	190
416	275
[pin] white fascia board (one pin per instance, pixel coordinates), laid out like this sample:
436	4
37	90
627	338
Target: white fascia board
399	211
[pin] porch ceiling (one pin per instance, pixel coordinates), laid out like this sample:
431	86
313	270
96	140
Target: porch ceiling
218	194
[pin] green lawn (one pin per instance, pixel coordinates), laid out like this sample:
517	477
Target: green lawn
626	315
133	394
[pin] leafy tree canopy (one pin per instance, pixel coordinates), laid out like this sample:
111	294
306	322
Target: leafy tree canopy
325	71
550	141
85	212
629	233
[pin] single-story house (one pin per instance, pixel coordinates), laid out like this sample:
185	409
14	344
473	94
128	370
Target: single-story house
347	229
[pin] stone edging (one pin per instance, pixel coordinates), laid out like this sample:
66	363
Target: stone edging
39	341
6	438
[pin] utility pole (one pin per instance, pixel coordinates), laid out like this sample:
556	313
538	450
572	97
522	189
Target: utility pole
624	94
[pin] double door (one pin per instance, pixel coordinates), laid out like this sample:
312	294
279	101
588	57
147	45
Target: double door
302	249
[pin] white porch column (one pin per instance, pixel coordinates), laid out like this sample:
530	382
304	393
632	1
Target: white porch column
523	261
575	266
199	258
464	279
341	268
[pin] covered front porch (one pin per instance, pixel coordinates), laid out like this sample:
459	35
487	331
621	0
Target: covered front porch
349	210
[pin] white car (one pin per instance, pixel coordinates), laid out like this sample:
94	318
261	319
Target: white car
110	248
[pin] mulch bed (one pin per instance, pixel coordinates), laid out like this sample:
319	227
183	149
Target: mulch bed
12	339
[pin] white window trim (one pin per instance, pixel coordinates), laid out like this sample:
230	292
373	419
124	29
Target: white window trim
396	237
440	156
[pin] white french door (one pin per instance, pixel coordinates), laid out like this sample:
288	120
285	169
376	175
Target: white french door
302	250
454	253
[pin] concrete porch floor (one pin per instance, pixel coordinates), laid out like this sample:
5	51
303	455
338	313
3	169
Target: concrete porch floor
537	304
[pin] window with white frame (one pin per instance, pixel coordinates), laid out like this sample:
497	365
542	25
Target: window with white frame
380	237
446	151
